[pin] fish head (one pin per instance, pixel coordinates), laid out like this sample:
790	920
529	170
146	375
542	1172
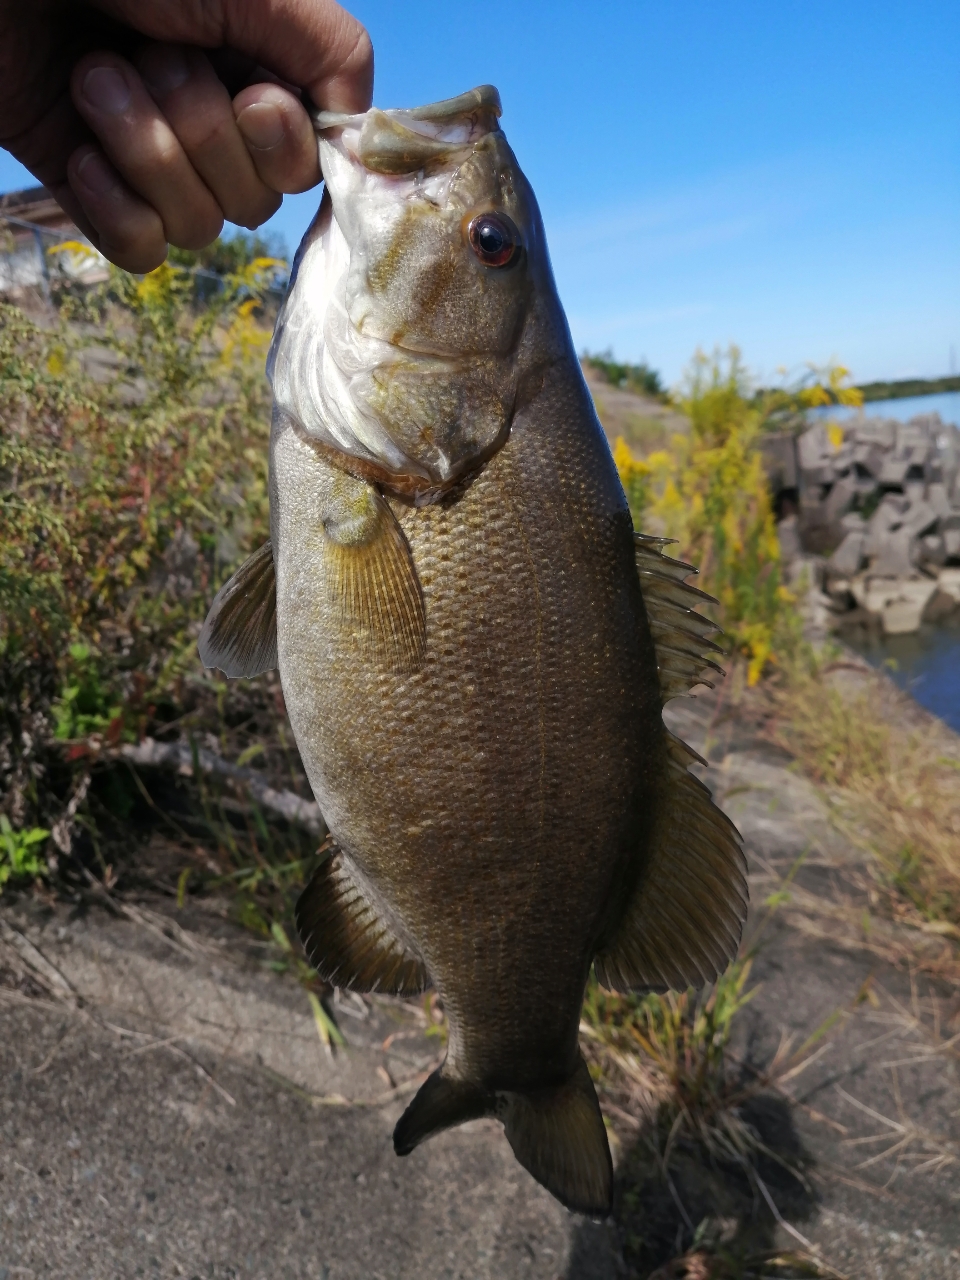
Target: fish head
405	337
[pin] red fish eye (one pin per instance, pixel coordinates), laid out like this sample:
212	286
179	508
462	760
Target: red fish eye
494	239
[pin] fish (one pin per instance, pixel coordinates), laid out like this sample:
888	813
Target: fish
474	645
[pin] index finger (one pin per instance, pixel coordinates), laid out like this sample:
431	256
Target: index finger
315	44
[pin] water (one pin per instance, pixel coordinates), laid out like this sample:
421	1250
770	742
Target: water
946	403
926	665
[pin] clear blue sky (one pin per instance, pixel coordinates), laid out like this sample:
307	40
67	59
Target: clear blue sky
785	176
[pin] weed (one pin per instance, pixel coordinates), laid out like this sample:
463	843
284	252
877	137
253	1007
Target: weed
19	851
894	788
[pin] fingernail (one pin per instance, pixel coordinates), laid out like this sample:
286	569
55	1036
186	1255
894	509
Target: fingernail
107	90
164	69
96	174
261	125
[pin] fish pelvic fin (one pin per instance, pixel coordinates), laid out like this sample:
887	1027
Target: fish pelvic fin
680	634
441	1102
347	937
371	576
558	1135
240	632
684	919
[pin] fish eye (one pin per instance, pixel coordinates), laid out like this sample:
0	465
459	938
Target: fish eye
494	239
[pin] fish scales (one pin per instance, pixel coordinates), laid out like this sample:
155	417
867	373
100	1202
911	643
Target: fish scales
492	758
474	646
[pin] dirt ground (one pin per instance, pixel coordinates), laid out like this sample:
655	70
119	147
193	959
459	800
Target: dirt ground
167	1108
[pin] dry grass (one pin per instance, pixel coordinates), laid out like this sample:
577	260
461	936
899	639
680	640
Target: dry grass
892	777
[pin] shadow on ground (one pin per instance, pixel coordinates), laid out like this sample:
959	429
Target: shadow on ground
659	1217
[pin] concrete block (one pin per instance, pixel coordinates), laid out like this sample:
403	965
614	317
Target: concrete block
951	543
779	450
931	550
948	581
845	561
839	500
893	472
903	613
920	517
894	555
789	536
937	497
854	522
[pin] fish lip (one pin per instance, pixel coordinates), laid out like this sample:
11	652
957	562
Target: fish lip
484	98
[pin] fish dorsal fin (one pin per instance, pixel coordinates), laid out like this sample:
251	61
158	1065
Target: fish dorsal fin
680	635
240	633
371	576
684	919
347	936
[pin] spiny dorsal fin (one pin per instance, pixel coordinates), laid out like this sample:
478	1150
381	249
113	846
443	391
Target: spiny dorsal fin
683	922
347	937
372	577
680	635
240	633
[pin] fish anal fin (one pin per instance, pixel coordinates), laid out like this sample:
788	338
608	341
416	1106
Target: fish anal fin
680	634
684	919
240	632
558	1135
371	577
347	937
441	1102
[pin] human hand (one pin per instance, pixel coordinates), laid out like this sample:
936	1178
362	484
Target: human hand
117	109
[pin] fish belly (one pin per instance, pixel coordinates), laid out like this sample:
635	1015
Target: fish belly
495	798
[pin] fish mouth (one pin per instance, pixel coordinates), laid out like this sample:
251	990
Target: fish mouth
405	140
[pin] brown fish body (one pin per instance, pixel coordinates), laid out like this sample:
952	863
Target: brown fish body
495	798
474	645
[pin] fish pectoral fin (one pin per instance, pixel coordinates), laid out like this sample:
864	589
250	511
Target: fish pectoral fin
441	1102
347	937
558	1135
683	921
371	576
680	634
240	632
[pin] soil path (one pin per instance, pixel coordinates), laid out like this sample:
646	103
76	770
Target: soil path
167	1108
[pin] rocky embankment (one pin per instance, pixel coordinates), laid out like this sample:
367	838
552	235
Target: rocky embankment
879	500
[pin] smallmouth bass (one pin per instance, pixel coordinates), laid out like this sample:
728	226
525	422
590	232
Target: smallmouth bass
474	646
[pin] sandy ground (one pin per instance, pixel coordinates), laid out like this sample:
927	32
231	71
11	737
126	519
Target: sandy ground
167	1109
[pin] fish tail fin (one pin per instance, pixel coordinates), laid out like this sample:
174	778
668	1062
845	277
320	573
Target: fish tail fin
558	1135
440	1103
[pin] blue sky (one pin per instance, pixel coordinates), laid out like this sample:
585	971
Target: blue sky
784	176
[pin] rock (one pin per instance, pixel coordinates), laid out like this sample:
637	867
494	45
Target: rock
853	522
939	606
779	450
861	620
951	543
932	550
903	614
845	561
948	581
839	500
789	537
894	554
894	472
919	517
899	603
937	497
